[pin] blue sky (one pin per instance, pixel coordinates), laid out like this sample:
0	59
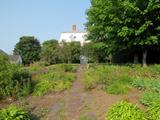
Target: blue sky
44	19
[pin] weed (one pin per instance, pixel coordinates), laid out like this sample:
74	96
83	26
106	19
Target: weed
14	113
124	111
148	98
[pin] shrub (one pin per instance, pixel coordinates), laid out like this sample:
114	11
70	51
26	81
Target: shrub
124	111
149	98
14	113
153	112
14	81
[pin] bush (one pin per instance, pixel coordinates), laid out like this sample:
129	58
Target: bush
153	112
124	111
14	113
14	81
149	98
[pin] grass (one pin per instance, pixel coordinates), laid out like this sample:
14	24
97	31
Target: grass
56	80
120	79
115	78
147	84
118	88
149	98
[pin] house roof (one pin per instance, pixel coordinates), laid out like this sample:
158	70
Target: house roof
14	57
2	52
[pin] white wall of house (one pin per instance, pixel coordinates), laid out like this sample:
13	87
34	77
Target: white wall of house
74	36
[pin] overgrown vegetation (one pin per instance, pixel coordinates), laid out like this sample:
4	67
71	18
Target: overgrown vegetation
14	113
59	78
149	98
124	111
14	80
153	112
115	78
119	79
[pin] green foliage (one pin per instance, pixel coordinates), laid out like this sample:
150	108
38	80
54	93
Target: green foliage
49	52
125	24
69	52
53	81
117	88
124	111
153	112
96	52
14	81
119	85
68	68
115	78
37	66
149	98
149	84
29	48
43	87
14	113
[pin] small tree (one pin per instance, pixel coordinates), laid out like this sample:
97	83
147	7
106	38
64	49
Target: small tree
29	48
96	52
49	52
69	52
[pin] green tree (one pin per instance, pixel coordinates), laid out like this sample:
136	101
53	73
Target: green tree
75	52
69	52
125	24
96	52
29	48
49	52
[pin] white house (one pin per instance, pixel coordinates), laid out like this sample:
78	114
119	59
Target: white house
74	35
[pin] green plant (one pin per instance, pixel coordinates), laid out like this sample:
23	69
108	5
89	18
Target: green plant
54	81
124	111
14	81
145	83
153	112
68	68
117	88
14	113
148	98
43	87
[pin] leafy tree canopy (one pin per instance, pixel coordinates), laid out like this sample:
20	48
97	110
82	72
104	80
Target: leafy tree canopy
125	24
29	48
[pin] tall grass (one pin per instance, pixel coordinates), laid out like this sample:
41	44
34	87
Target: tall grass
56	80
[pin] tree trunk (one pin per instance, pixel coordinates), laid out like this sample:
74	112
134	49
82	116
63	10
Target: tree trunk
144	59
135	58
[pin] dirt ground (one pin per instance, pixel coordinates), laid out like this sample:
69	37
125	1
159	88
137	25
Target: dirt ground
76	103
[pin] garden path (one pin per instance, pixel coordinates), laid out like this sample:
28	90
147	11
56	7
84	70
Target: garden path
76	103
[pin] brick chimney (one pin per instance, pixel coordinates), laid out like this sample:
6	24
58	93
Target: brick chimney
74	28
